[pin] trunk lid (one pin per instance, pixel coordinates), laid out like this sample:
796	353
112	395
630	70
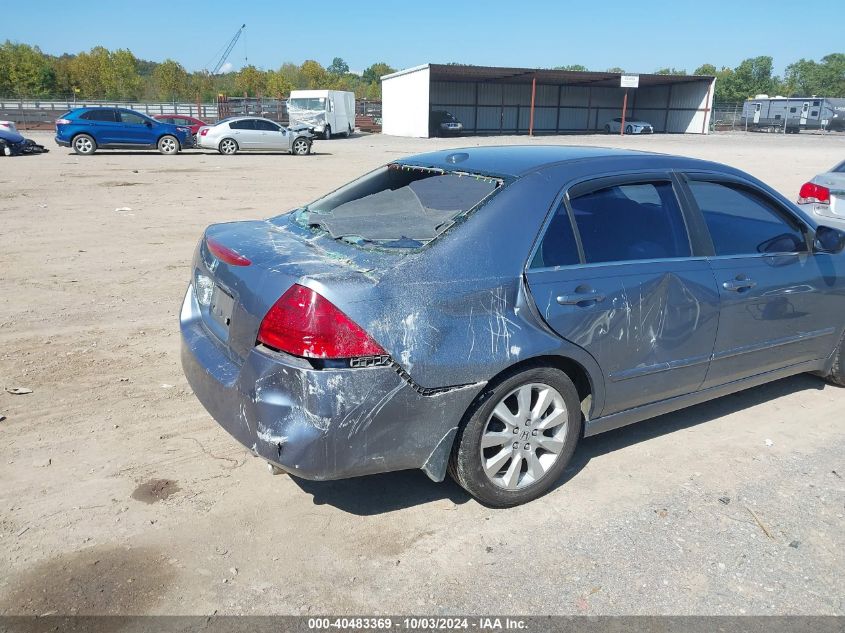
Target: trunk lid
234	297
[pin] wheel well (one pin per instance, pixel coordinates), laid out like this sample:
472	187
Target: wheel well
574	370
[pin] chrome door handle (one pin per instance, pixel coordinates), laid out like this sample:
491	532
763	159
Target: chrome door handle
739	285
584	299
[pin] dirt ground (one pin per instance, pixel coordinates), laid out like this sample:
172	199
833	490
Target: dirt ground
119	494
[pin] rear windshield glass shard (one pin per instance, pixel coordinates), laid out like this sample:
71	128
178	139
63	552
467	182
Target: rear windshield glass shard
399	206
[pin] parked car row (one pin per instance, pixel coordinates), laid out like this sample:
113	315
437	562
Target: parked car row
88	129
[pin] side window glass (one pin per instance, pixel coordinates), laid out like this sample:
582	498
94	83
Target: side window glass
101	114
558	246
744	222
631	222
243	124
132	119
266	126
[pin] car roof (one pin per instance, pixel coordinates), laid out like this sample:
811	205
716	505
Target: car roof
513	160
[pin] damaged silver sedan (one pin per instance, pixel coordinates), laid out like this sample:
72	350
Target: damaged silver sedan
479	311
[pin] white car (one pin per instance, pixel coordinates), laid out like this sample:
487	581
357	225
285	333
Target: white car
824	197
632	126
9	126
244	133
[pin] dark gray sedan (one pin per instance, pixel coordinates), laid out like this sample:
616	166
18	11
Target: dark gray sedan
480	310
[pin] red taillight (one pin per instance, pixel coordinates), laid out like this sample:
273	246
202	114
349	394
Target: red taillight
226	254
811	193
304	323
204	131
62	121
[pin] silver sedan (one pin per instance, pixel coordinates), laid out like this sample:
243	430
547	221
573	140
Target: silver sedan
824	197
235	134
632	126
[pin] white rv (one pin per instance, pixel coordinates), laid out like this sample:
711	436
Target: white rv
327	111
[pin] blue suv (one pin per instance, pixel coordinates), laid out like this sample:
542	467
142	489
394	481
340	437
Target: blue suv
88	129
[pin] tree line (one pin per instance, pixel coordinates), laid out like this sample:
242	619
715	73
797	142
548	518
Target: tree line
25	71
753	76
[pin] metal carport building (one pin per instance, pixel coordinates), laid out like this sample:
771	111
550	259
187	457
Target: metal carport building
493	100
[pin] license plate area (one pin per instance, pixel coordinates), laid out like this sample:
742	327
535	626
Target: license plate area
221	306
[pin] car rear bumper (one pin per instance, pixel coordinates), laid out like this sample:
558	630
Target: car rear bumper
823	214
62	142
320	424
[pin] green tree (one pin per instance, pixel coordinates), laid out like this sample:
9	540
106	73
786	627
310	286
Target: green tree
670	71
251	80
122	80
616	69
573	67
313	74
170	80
375	72
825	78
278	84
705	69
338	67
753	76
25	71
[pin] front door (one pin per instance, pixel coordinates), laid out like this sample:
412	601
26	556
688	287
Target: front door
777	304
805	109
625	287
136	129
272	135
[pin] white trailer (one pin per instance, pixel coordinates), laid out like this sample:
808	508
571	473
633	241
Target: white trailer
327	111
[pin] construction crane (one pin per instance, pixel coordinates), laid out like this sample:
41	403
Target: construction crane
227	50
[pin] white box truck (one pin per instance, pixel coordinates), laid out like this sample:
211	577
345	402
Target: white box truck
328	112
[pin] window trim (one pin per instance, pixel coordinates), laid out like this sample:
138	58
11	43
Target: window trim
591	184
777	205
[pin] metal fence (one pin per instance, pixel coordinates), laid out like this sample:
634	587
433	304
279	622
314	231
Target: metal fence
34	113
40	114
727	116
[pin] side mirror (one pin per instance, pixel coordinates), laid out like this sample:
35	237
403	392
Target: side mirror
829	240
148	124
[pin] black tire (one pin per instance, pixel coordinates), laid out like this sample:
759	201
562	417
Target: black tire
300	147
83	144
168	144
327	132
228	146
465	464
607	128
837	372
629	129
349	131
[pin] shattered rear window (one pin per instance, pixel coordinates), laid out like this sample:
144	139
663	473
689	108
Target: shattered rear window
398	206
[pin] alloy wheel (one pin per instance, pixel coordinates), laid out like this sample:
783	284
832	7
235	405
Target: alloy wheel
524	436
83	145
228	146
300	147
167	145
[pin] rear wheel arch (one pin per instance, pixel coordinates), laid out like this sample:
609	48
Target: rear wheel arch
573	369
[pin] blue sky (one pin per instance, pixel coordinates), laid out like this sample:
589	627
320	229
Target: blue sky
638	35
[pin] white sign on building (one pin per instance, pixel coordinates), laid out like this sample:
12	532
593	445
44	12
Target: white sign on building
630	81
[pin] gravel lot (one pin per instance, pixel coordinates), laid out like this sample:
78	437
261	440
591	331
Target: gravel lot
732	507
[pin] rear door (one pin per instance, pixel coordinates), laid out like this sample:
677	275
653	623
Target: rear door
781	304
103	124
244	132
617	274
